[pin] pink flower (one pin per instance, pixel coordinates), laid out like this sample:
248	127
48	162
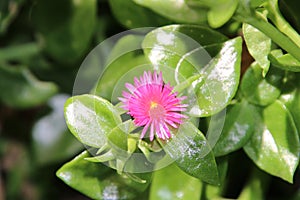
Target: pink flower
154	105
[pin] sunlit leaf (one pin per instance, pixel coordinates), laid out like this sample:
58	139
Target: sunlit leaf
178	11
258	45
98	181
284	61
172	183
90	118
274	146
192	153
238	128
262	90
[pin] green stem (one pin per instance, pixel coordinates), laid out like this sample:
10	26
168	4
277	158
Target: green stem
279	21
19	51
278	37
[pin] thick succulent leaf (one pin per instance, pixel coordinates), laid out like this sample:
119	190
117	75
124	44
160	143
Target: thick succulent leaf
258	45
274	146
68	32
219	14
284	61
220	79
192	153
172	183
291	97
238	128
20	89
90	118
178	11
261	90
132	15
98	181
191	45
217	82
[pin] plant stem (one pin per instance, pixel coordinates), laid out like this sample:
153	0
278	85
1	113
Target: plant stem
279	21
278	37
19	51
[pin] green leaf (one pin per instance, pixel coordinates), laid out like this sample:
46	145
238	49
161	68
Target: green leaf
238	128
20	89
258	45
191	43
68	33
274	146
50	134
284	61
125	56
172	183
132	15
192	153
90	118
178	11
259	90
291	98
221	13
97	181
220	79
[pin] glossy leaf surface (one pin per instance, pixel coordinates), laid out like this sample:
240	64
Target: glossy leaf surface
192	153
220	79
238	128
284	61
178	11
172	183
274	146
258	45
220	13
90	118
97	181
259	90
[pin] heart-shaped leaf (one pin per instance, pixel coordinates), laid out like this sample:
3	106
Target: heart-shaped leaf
274	146
90	118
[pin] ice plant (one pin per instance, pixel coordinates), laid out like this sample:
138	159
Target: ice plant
154	105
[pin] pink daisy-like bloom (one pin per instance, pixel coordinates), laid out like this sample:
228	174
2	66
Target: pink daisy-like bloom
154	105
